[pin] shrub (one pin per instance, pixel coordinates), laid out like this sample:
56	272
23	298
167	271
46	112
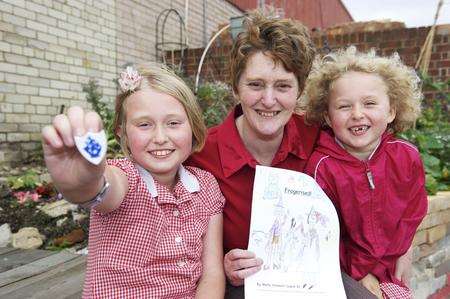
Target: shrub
94	96
216	100
432	137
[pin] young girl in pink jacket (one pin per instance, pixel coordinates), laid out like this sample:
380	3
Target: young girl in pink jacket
375	181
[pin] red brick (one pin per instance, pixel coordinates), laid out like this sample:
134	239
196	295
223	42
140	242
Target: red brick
443	63
437	39
443	48
433	72
435	56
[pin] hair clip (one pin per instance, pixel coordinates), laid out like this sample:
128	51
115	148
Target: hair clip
129	79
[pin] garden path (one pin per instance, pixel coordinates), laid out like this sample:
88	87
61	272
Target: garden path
40	273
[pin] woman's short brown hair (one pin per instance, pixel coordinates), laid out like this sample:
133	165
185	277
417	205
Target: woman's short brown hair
284	40
164	80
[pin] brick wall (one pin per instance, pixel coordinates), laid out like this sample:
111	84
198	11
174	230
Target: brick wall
406	41
50	48
431	249
136	29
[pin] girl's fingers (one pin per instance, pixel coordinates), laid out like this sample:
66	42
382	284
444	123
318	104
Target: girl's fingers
63	128
92	122
76	118
51	138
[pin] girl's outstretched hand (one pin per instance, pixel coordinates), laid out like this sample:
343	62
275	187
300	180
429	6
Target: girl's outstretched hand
69	170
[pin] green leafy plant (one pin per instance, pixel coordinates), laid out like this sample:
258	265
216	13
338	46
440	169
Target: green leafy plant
29	180
58	247
216	100
432	137
94	97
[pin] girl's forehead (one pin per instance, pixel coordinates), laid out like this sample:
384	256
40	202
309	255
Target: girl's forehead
350	78
152	96
351	75
151	102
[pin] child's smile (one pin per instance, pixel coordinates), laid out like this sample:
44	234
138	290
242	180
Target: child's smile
359	130
359	112
161	153
158	132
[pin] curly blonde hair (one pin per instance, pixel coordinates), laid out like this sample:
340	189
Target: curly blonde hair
164	80
284	40
401	81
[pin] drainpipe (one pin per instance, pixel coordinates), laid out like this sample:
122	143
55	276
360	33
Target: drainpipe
186	20
204	22
199	70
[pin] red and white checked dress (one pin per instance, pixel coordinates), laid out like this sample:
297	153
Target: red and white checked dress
151	246
394	291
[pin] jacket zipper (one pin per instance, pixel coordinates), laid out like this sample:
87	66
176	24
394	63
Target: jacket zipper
370	180
370	177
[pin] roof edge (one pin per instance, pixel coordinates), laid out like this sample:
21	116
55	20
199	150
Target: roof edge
236	6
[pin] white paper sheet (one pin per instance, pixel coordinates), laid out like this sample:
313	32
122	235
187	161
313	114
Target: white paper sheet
295	230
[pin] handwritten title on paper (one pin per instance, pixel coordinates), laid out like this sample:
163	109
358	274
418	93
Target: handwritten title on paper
296	192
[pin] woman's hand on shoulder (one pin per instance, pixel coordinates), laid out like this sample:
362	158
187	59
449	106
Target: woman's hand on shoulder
240	264
371	283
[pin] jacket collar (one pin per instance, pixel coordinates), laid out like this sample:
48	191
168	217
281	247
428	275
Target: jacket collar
330	145
233	153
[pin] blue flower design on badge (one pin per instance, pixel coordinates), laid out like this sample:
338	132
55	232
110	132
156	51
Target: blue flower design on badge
92	146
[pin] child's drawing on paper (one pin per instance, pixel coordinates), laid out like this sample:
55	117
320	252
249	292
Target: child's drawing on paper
275	243
295	230
295	244
315	233
272	190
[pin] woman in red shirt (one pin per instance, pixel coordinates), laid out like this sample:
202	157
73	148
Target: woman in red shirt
270	62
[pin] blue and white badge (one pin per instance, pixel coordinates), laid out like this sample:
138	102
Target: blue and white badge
92	146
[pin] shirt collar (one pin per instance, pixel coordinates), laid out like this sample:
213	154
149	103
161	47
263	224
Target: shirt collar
292	142
188	180
233	153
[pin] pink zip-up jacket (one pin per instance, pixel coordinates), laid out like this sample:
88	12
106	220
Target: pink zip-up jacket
380	202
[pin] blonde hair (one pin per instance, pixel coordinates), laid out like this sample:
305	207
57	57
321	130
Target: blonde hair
401	81
284	40
161	79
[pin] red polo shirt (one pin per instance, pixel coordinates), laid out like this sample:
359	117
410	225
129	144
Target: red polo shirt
227	158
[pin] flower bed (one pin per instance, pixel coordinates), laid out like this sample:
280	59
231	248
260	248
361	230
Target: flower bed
33	216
